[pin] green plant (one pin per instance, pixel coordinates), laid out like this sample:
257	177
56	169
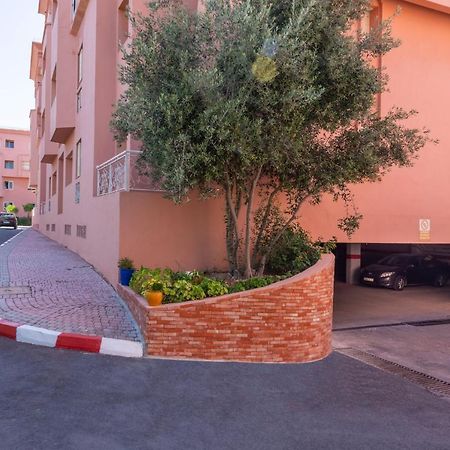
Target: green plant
157	286
28	208
263	99
254	283
24	221
182	291
294	252
146	280
214	288
125	263
12	209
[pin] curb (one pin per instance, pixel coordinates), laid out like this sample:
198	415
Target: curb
70	341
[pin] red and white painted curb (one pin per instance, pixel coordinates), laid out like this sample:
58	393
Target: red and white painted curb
49	338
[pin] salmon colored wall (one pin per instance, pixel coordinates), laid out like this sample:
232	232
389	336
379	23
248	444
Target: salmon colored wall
98	214
419	76
155	232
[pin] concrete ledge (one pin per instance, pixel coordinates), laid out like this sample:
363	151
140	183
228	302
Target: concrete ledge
288	321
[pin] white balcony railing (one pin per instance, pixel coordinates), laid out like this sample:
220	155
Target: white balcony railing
121	174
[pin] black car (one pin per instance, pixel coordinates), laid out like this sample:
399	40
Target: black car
397	271
8	220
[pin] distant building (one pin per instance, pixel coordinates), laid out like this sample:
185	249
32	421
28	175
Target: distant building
15	169
92	199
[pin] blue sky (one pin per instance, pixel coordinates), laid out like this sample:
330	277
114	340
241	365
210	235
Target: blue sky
20	25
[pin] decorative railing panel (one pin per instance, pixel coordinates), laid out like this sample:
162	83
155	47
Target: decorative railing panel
121	173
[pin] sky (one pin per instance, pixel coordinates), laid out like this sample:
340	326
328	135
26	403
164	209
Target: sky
20	25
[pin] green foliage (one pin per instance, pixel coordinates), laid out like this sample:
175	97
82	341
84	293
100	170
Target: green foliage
125	263
294	252
213	288
183	291
12	209
255	98
254	283
28	207
177	286
24	221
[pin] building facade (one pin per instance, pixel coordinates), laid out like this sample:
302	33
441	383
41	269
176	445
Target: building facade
15	170
92	199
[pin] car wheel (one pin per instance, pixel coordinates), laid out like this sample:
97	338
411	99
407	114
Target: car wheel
440	280
400	283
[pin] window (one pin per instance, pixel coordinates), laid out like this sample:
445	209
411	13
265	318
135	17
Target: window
77	192
79	100
69	169
123	23
80	65
26	165
8	185
68	230
9	143
74	7
81	231
54	181
78	160
9	164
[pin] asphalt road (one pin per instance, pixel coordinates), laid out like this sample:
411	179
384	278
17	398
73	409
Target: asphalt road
8	233
53	399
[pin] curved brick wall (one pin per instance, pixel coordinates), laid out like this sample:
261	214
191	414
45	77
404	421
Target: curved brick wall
289	321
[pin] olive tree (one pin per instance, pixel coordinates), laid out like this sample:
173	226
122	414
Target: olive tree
262	103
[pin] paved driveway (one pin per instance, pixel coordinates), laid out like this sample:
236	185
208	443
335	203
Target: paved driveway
357	306
53	399
384	323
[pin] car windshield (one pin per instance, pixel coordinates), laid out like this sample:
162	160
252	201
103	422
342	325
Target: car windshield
397	260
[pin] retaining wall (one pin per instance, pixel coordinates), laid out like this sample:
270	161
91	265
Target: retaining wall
289	321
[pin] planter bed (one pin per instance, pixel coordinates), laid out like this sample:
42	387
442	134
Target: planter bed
288	321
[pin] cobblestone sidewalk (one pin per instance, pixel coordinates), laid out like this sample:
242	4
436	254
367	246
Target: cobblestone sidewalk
45	285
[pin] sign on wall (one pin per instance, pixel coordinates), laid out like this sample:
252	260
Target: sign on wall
425	229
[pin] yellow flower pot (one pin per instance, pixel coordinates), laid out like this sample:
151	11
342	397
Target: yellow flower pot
154	298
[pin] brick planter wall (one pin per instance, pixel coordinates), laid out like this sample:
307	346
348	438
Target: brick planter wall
289	321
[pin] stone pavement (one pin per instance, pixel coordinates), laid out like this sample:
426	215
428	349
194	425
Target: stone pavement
45	285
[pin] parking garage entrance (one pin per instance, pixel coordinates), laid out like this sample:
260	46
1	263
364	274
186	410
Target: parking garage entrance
362	306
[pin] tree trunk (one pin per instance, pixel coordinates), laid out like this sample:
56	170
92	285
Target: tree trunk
251	194
263	225
277	237
232	227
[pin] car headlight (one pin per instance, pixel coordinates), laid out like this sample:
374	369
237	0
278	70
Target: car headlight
386	274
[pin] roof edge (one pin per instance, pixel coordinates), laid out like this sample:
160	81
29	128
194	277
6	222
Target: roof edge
441	6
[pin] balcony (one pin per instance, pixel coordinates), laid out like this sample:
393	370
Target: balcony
122	174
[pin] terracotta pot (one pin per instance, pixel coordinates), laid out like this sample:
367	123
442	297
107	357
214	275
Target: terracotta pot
154	298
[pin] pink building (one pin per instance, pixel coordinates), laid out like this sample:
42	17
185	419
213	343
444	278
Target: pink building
92	200
15	169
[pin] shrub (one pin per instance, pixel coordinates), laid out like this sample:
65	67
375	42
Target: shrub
294	252
125	263
177	286
254	283
183	291
24	221
214	288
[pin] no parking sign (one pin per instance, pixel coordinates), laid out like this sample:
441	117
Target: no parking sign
425	229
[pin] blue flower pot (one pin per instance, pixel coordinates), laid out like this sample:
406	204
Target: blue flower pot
125	276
